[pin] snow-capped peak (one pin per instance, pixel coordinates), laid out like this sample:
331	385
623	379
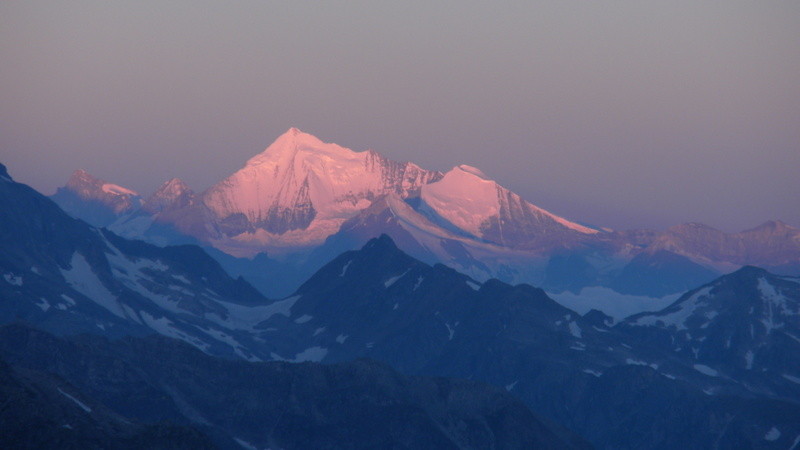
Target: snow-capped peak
82	180
111	198
463	197
471	201
81	175
173	194
293	141
472	170
302	183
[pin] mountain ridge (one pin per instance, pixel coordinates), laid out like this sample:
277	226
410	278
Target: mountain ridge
301	198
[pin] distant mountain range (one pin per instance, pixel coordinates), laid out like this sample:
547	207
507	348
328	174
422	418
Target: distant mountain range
301	202
718	367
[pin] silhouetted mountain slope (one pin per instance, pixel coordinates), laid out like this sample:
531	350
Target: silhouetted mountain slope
43	411
360	404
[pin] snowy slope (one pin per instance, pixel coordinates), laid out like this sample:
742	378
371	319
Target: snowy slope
468	199
300	190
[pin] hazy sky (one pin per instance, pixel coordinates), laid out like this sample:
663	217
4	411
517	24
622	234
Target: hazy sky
620	114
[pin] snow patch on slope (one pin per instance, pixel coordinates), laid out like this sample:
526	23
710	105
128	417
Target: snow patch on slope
76	401
114	189
394	279
81	277
677	317
772	435
705	370
313	354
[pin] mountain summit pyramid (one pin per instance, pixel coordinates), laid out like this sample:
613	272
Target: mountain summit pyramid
300	183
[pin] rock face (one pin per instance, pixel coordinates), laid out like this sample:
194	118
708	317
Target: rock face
94	200
360	404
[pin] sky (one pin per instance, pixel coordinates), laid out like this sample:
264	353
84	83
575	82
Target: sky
622	114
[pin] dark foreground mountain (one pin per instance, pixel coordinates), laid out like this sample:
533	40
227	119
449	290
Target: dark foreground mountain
43	411
746	326
609	383
360	404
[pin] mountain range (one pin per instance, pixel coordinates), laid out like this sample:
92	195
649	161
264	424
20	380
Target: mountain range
64	277
717	367
301	202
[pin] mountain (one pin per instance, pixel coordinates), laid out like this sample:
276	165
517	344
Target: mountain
773	244
300	190
173	202
359	404
417	234
659	273
174	194
94	200
607	382
623	385
469	201
43	411
746	325
67	277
